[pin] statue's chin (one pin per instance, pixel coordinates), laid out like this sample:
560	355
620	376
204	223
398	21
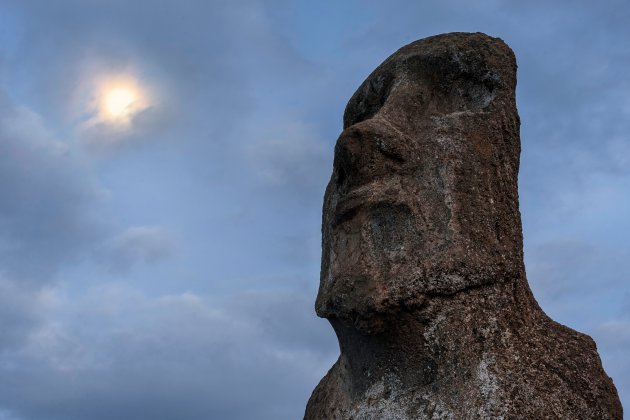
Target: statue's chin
369	313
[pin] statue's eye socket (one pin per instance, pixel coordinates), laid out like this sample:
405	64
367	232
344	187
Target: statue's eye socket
345	165
369	99
341	176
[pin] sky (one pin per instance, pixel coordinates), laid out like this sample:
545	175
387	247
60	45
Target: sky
161	260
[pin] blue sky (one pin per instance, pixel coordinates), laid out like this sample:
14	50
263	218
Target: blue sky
166	266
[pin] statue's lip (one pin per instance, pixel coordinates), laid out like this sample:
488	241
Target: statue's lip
373	193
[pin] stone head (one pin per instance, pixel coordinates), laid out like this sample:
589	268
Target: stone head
423	196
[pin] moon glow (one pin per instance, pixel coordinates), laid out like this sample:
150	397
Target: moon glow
118	99
119	102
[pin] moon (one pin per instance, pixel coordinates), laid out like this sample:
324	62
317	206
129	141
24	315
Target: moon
116	100
119	102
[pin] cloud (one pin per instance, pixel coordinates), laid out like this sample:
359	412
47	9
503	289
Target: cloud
20	311
104	131
104	138
560	268
613	342
578	283
53	215
207	54
291	157
53	212
139	244
48	210
171	356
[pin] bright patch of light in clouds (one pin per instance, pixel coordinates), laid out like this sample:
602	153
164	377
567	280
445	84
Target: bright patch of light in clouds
118	102
118	99
112	108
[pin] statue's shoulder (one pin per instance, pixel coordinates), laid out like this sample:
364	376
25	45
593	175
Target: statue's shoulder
327	402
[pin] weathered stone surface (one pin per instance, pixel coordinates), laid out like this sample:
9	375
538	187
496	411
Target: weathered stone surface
422	272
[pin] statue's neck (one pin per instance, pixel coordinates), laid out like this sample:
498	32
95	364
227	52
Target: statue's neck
398	350
415	349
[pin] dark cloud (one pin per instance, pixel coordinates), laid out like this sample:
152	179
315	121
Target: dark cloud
178	356
52	210
20	312
48	211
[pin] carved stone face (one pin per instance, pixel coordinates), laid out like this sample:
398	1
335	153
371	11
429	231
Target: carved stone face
423	197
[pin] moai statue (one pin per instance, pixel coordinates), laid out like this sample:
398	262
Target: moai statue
422	272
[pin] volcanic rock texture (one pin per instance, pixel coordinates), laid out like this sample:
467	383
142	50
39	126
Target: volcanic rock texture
422	271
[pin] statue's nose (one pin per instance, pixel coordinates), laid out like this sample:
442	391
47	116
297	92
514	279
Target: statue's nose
366	151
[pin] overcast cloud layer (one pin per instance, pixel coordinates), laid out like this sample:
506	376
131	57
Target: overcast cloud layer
168	269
